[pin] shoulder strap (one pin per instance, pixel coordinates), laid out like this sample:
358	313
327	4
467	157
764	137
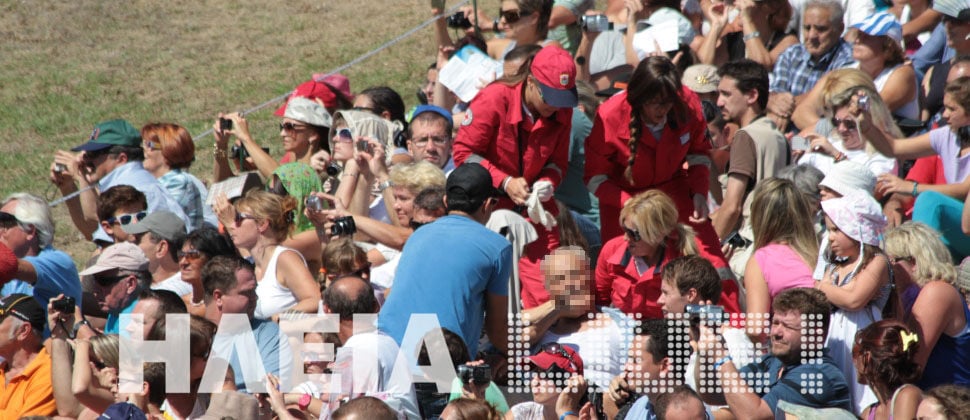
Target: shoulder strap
892	406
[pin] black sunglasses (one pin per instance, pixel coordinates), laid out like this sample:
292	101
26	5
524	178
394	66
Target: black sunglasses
288	126
106	281
633	234
512	16
849	123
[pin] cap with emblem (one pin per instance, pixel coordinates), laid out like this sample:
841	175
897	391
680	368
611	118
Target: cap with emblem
555	73
111	133
701	78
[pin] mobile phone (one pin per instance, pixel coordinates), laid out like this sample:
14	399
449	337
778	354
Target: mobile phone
364	146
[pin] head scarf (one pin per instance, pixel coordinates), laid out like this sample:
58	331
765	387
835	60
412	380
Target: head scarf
300	180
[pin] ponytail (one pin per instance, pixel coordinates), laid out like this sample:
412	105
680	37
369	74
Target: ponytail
686	242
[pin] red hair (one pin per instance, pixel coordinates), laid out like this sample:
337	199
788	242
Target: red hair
173	140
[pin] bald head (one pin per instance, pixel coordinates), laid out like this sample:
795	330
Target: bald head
348	296
959	69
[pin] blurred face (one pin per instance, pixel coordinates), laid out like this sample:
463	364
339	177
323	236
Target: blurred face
820	33
98	164
956	34
513	23
671	301
111	290
641	368
191	262
430	141
14	236
343	143
148	308
534	100
867	47
847	128
569	283
242	298
403	204
953	113
297	136
840	243
154	161
732	102
786	335
144	241
313	361
929	409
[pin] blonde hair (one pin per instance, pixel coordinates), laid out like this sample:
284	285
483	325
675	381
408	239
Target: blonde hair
279	211
105	347
881	115
920	242
655	217
417	176
780	212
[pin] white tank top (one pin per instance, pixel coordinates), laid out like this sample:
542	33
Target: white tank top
271	297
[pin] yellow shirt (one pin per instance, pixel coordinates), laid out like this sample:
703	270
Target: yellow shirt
30	393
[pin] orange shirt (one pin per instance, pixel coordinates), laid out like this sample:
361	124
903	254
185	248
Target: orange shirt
30	393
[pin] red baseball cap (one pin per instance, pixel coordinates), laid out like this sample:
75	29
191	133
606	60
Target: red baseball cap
555	71
561	356
337	81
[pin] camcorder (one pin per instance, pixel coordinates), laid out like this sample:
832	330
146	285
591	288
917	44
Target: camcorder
595	23
711	315
478	375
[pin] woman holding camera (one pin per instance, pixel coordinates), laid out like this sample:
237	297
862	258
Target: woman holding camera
303	132
263	220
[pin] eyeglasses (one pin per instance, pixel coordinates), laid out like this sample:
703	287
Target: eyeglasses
344	135
511	16
849	123
126	219
107	281
191	255
150	145
288	126
633	234
240	216
437	140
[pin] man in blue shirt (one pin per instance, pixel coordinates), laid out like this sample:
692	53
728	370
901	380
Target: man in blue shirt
794	371
42	271
455	269
112	156
118	277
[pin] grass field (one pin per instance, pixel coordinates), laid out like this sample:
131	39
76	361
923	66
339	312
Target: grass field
65	66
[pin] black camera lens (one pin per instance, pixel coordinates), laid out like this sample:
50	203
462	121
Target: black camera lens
333	169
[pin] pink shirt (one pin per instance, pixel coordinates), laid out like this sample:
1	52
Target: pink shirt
782	269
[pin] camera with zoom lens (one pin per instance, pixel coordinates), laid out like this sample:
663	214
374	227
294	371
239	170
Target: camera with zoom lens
333	169
64	304
343	226
712	315
595	23
478	375
459	21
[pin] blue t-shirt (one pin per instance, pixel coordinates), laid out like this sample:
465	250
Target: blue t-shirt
111	324
818	383
269	342
446	268
56	274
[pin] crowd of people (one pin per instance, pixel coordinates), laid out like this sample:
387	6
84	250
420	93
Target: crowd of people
684	210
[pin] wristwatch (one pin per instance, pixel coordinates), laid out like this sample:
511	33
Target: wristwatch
304	402
383	185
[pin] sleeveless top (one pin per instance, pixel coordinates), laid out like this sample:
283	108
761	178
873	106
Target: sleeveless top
911	109
949	362
892	404
271	297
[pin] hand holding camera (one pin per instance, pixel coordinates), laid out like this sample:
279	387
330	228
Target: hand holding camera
475	377
61	315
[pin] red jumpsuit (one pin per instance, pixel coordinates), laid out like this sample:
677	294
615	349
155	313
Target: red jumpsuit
498	132
658	165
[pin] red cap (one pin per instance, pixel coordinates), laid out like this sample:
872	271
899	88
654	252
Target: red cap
555	71
339	82
555	354
312	90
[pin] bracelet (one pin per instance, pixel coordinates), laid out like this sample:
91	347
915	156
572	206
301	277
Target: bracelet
915	192
751	36
383	185
722	361
352	174
505	182
219	153
568	413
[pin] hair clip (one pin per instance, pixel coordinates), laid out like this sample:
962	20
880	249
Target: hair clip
908	339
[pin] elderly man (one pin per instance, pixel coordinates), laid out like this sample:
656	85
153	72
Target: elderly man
430	137
26	376
42	271
799	321
118	277
112	156
802	65
160	236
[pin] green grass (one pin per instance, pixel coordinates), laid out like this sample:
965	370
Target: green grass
65	66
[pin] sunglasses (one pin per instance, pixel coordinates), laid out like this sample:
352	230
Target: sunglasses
511	16
107	281
633	234
150	145
437	140
240	216
344	135
191	255
126	219
99	365
288	126
849	123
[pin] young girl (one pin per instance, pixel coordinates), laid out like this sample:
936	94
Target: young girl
857	279
884	354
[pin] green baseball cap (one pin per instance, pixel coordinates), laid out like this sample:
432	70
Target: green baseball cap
111	133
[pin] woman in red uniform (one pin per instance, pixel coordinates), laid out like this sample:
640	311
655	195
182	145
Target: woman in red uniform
518	129
652	136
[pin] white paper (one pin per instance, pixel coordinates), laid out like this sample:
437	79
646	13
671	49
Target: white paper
468	71
663	33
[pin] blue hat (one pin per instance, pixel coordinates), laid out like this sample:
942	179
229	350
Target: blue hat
420	109
881	24
122	411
